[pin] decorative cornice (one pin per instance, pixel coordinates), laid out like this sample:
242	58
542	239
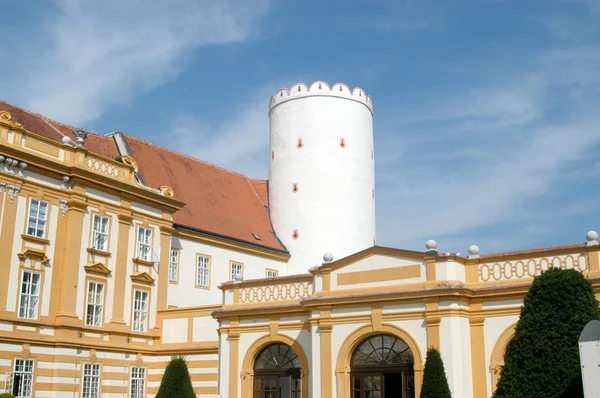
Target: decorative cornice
142	277
35	254
97	268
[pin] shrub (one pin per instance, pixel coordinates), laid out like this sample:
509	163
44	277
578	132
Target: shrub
176	382
543	360
6	395
435	383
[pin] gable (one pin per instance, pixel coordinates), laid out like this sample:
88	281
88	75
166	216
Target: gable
378	270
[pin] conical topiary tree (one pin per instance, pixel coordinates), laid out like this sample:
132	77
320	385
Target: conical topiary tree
176	382
435	383
543	360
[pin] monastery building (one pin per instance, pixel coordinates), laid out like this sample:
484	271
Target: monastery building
117	254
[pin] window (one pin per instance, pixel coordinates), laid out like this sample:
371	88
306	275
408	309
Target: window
138	382
91	380
95	304
38	211
271	273
100	233
144	248
140	311
30	295
236	269
203	271
173	265
22	383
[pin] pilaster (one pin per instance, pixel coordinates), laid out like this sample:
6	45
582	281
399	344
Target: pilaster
71	264
7	233
120	271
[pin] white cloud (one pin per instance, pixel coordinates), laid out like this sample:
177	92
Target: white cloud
239	143
493	157
91	55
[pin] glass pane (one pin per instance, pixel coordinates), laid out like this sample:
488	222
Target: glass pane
356	383
357	394
376	382
382	350
277	356
257	384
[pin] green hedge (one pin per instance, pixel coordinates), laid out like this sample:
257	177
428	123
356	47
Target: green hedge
6	395
176	382
435	383
543	360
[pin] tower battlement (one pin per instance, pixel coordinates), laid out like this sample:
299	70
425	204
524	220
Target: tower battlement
320	88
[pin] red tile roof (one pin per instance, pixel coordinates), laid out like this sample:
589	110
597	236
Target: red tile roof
218	201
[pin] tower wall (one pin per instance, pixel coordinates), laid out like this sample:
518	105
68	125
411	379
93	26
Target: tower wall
321	173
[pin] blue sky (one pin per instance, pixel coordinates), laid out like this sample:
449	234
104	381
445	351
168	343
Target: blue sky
487	113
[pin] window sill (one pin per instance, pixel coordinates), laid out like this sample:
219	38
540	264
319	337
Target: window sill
35	239
139	261
174	282
202	287
97	252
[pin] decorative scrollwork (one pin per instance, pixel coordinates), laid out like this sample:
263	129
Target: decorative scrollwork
4	115
102	167
167	191
261	294
528	268
130	161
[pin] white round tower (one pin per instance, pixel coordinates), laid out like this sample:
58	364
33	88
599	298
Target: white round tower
321	172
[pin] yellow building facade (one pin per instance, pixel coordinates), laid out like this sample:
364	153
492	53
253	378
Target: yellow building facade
116	254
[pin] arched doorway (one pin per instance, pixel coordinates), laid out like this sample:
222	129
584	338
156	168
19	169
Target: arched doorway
382	367
277	373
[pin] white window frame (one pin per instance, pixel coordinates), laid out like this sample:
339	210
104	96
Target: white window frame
137	382
203	270
174	265
31	295
234	266
39	220
96	305
100	232
144	243
140	310
272	273
24	367
90	376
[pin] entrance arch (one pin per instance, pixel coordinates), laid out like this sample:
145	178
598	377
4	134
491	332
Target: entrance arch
348	361
382	367
261	363
499	353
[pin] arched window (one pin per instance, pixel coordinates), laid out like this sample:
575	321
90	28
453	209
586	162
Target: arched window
382	366
277	373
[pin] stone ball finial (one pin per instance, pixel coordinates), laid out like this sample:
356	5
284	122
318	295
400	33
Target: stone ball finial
327	257
431	245
67	140
473	250
592	237
238	277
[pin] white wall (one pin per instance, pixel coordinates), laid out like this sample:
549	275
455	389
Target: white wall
333	209
186	294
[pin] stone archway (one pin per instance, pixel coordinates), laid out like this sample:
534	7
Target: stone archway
257	348
344	360
498	353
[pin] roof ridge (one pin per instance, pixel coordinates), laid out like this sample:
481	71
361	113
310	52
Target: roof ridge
254	191
533	250
188	156
47	120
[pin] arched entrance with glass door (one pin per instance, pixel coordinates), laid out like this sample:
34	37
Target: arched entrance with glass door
382	366
277	373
